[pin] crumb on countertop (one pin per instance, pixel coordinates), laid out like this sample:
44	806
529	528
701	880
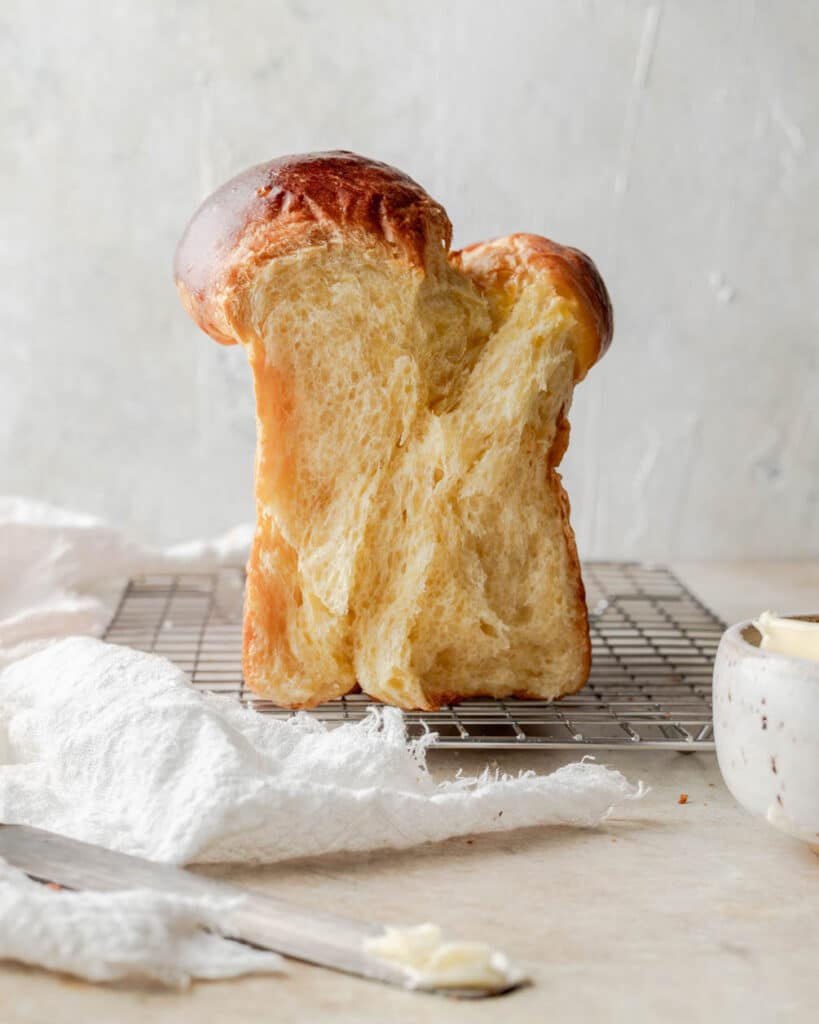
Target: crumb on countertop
683	798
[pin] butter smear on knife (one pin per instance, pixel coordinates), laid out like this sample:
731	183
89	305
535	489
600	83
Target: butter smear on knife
432	963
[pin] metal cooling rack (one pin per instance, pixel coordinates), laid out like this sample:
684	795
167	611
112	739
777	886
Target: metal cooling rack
653	645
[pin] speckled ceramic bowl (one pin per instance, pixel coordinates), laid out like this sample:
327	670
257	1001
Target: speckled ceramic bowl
766	727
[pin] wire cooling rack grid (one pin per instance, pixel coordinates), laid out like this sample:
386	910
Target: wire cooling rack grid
653	646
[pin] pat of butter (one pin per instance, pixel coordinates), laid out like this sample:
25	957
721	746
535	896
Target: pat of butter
795	637
431	963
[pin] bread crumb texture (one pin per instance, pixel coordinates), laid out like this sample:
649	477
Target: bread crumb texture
412	534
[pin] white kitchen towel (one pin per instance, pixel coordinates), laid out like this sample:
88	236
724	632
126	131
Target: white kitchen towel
116	747
135	935
61	572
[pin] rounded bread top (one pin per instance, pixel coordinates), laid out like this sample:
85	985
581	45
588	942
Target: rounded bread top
508	262
278	207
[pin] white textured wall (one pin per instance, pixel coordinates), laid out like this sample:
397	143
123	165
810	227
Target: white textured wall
676	142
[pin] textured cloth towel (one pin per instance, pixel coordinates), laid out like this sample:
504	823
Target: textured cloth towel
116	747
112	746
137	934
61	572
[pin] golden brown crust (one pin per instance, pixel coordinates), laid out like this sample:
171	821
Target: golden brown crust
504	262
277	207
556	453
576	572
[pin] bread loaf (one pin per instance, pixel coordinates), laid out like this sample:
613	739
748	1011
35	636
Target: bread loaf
412	532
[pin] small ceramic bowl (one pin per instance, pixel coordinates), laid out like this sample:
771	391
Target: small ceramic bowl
766	728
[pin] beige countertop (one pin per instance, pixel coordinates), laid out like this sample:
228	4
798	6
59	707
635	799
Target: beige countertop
670	912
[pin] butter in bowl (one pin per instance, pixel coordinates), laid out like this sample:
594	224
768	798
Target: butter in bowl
766	720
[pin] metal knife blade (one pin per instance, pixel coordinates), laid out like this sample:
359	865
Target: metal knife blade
317	937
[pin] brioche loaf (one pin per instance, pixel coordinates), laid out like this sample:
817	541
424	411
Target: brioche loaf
412	532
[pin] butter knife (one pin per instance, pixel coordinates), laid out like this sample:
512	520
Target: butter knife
317	937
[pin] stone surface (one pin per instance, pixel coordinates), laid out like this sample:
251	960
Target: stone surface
676	142
673	912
